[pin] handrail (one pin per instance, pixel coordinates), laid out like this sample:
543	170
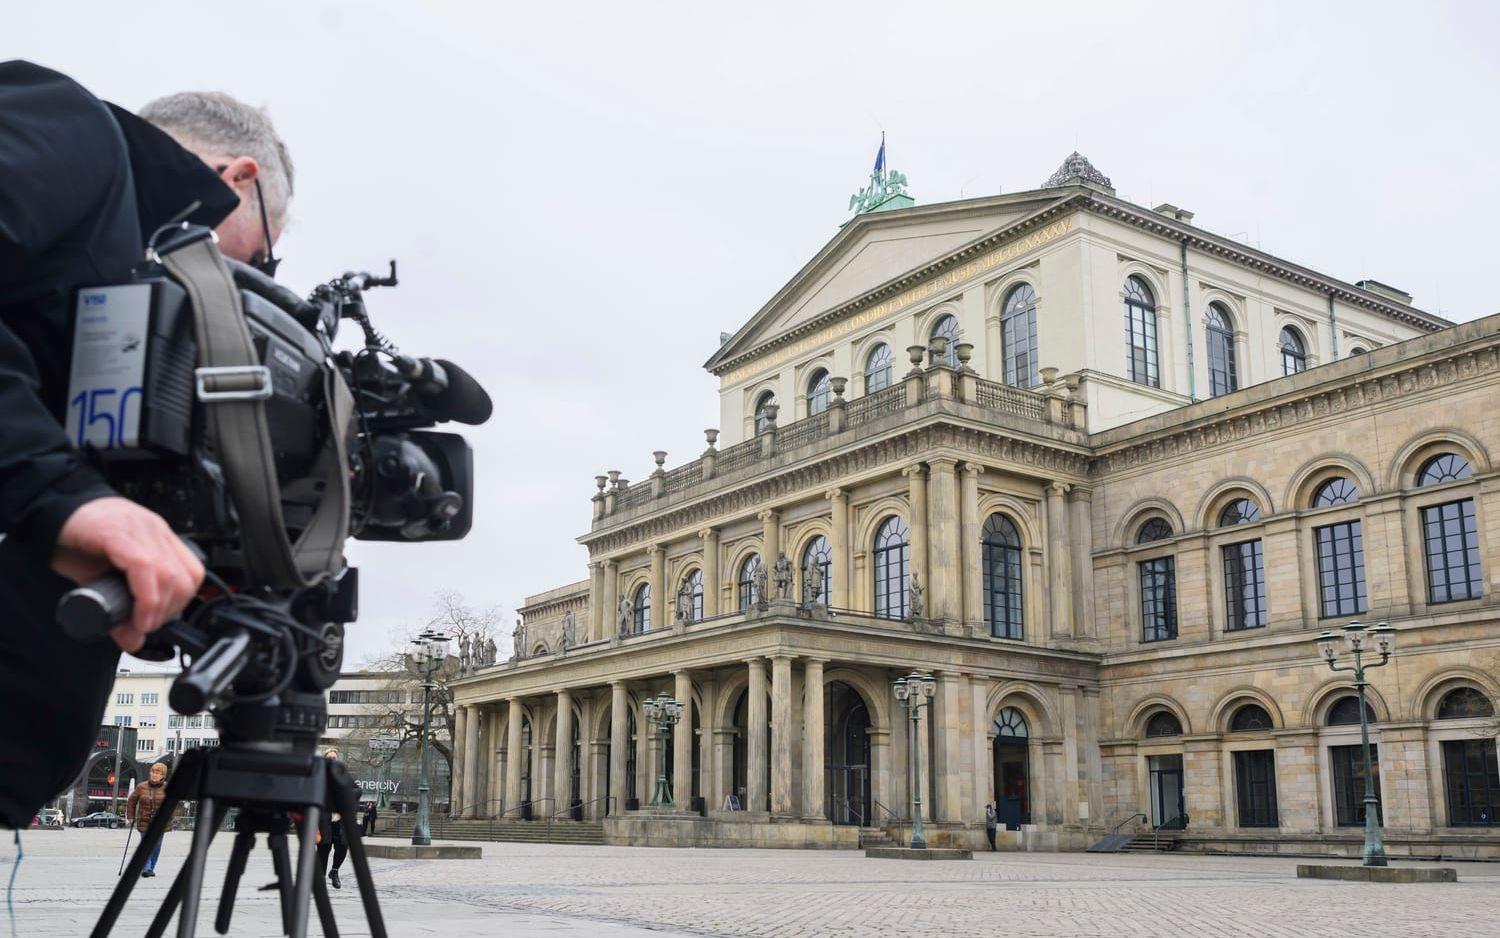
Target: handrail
1128	819
1156	831
892	815
584	804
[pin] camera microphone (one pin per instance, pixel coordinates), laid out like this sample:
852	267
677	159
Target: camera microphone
447	389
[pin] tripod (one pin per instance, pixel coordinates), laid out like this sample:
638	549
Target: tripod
267	783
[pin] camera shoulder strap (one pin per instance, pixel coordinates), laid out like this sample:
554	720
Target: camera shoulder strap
233	385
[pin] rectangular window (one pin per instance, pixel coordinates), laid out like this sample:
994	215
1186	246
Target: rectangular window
123	698
122	721
1451	542
1244	585
1341	568
149	698
1349	784
1255	786
145	745
1158	599
1472	777
148	719
174	720
1140	327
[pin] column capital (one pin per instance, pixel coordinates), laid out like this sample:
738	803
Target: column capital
770	514
781	656
680	671
709	534
619	683
914	472
944	463
1081	493
1057	489
655	549
973	469
835	494
565	692
810	661
611	565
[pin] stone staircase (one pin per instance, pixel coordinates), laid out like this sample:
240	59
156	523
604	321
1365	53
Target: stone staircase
590	833
1149	842
875	837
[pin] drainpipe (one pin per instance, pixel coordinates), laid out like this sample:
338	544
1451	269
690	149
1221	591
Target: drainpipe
1187	314
1333	327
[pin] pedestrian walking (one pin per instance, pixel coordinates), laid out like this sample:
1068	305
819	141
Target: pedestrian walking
990	822
141	807
331	838
371	816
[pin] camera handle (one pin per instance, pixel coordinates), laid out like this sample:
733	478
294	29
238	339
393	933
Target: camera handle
88	612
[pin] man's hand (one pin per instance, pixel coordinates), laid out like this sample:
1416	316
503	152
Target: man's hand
116	533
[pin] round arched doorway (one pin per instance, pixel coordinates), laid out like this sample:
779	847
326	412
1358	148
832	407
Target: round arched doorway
847	758
1012	766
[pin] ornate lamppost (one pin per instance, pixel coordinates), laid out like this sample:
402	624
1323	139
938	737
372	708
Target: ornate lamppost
381	749
915	691
663	712
430	653
1361	640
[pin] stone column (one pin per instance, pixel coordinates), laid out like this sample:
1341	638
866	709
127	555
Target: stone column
707	701
755	746
619	742
611	576
970	555
947	760
916	477
514	757
838	590
770	523
781	735
1060	589
682	743
658	554
945	602
882	785
562	760
486	805
711	586
471	759
598	612
460	753
813	774
1081	531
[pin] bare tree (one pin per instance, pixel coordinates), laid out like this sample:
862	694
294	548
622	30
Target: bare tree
399	715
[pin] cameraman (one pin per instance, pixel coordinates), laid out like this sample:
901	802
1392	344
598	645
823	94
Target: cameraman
82	185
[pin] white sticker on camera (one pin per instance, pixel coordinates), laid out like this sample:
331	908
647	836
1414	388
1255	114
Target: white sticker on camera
109	365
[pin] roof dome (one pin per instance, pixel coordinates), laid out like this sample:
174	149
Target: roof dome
1077	170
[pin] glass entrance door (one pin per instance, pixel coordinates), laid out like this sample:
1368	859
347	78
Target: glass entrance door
1168	806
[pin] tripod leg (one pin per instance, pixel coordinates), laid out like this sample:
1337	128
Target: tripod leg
307	847
174	895
282	861
243	841
346	801
132	874
325	908
192	891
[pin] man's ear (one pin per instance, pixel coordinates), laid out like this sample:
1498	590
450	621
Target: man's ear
242	171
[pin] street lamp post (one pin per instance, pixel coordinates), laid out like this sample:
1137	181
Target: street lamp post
915	691
1360	641
381	747
431	652
663	712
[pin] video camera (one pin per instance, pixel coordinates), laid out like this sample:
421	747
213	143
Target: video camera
204	390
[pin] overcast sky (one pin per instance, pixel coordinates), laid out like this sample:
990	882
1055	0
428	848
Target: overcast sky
583	196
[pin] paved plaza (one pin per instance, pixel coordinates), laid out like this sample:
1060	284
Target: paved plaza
524	889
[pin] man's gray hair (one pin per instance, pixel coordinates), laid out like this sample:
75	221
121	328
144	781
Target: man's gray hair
214	122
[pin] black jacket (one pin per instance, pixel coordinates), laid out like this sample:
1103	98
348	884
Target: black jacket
79	183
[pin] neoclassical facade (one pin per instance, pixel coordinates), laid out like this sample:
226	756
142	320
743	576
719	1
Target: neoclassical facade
1101	473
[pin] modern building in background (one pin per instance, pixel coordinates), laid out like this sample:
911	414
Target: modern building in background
366	705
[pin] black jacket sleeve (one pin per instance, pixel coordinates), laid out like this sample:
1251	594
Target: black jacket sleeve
67	218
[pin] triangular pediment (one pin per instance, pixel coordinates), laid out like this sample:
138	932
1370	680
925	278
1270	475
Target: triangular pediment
874	249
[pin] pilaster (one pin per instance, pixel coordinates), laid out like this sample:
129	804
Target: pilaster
843	563
710	537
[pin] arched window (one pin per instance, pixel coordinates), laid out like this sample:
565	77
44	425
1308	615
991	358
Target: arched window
1345	712
818	393
642	603
1003	608
1163	723
879	368
762	416
817	561
892	556
1293	352
1223	372
1447	467
947	328
749	591
1018	336
1450	536
1239	511
1155	529
1357	350
1140	333
1464	703
1337	491
1011	723
694	595
1249	719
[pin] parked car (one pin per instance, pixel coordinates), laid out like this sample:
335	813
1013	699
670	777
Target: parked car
49	817
99	819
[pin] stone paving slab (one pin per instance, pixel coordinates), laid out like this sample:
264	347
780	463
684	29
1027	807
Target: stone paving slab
554	890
